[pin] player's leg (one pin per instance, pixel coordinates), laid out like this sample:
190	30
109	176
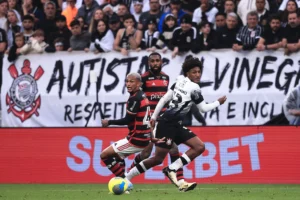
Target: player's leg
163	129
143	166
197	147
114	155
143	155
174	155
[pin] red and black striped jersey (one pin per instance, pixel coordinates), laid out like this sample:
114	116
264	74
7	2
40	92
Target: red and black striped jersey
139	133
155	87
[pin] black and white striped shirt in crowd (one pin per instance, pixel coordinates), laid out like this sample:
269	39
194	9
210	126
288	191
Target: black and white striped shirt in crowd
149	40
249	37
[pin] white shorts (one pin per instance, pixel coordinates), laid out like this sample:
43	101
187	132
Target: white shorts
123	148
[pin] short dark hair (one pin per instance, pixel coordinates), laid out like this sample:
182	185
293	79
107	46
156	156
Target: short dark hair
28	17
190	63
220	13
154	54
129	16
274	17
75	22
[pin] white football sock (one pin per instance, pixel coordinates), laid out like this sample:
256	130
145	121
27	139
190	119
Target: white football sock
132	173
178	163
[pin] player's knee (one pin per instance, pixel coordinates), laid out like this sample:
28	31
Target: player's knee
200	148
103	155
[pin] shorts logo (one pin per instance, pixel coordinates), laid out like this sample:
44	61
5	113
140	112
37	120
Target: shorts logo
21	97
169	141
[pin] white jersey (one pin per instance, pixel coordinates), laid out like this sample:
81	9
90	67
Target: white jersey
185	93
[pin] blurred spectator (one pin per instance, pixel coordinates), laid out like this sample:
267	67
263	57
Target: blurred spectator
230	7
290	8
175	10
48	24
86	11
80	40
184	37
78	4
14	51
225	37
291	37
165	5
3	44
62	31
220	20
189	6
70	12
114	24
245	6
111	7
206	12
263	14
102	39
283	4
205	38
59	44
36	44
28	25
154	12
83	25
164	41
137	10
14	25
15	5
122	11
97	16
30	8
291	106
248	36
272	36
128	38
3	13
150	36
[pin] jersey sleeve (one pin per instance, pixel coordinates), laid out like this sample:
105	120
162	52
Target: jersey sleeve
133	106
196	96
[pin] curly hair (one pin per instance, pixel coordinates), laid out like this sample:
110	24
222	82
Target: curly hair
189	63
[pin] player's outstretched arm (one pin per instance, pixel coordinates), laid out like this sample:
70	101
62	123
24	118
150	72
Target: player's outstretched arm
124	121
166	98
205	107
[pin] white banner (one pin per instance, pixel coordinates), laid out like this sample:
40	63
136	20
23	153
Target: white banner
53	90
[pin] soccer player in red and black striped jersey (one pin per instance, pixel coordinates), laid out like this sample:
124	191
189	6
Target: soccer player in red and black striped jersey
155	85
139	134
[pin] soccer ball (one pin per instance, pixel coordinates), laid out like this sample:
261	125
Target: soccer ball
117	185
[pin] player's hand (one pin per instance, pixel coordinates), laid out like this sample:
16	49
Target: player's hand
152	123
158	140
104	122
222	100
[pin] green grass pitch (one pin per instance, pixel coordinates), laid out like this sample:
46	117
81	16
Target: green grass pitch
149	192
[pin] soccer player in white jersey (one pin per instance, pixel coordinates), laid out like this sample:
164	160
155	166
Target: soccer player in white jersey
182	95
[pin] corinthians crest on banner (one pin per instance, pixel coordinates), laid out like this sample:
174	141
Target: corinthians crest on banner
21	97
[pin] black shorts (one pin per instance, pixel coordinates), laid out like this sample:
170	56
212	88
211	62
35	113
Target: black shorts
173	132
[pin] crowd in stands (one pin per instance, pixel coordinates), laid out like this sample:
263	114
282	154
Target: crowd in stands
28	26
